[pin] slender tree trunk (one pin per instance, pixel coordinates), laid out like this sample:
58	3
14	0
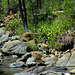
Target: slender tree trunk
33	15
8	2
40	4
23	1
22	16
0	6
37	4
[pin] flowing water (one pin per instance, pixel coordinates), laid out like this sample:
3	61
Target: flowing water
4	66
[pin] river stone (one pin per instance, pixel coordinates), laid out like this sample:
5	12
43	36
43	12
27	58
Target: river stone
14	47
71	63
25	57
50	72
63	60
30	64
31	59
32	71
17	64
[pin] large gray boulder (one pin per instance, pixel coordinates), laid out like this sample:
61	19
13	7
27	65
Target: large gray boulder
71	63
14	47
63	60
17	64
4	38
32	71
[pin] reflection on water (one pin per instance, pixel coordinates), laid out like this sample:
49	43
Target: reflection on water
5	66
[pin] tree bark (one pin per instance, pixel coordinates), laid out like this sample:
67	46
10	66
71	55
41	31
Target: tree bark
8	2
37	4
0	6
22	16
40	4
33	15
23	1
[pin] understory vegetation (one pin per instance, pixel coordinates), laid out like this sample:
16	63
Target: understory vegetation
57	17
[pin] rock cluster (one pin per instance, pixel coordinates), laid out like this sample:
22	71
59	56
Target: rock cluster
44	61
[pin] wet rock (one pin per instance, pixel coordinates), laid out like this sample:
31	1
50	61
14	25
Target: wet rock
31	59
58	68
32	71
63	60
72	71
49	72
14	47
27	36
25	57
17	64
30	64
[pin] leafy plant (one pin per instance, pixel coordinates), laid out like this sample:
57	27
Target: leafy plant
31	47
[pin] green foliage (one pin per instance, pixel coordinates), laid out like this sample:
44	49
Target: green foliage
16	26
47	28
32	47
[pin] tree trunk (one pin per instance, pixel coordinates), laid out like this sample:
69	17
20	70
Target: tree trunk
8	2
0	6
25	14
40	4
37	4
22	16
33	15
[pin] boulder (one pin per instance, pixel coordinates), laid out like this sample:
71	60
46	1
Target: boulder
14	47
71	63
63	60
50	60
32	71
25	57
30	64
50	72
17	64
31	59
